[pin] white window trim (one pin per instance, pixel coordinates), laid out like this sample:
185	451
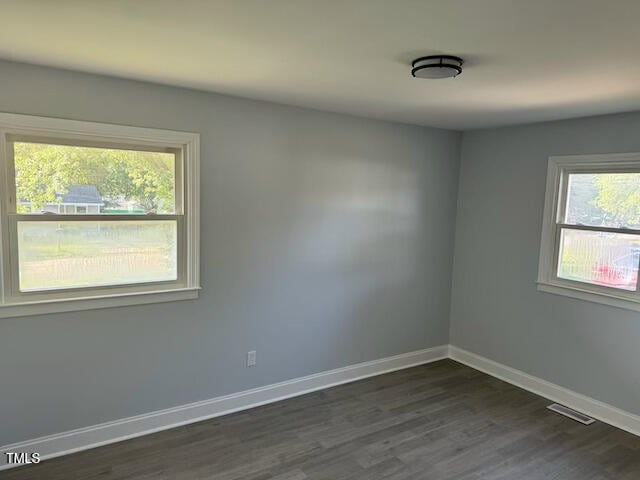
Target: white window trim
548	281
188	143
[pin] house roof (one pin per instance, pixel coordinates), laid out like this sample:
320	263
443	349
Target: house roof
82	194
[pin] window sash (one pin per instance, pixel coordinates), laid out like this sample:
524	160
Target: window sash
10	139
565	173
585	285
12	272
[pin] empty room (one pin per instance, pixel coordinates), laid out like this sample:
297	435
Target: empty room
319	240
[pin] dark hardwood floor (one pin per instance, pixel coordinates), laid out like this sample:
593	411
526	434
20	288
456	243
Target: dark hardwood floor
434	422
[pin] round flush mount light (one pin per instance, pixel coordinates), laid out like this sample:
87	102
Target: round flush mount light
436	66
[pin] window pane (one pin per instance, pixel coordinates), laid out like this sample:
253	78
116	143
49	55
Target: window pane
599	258
604	199
63	179
54	255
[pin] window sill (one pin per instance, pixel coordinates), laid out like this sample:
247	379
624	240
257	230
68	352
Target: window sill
41	307
581	294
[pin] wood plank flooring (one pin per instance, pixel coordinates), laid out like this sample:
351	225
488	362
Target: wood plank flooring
442	421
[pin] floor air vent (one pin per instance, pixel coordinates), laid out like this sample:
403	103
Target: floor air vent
572	414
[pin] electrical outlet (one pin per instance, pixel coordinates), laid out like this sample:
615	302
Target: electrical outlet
251	358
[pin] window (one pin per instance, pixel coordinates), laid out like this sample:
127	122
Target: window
95	215
590	247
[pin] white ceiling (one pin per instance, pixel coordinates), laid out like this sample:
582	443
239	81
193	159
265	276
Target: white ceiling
526	60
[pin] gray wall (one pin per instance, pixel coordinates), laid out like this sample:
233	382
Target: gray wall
496	310
326	241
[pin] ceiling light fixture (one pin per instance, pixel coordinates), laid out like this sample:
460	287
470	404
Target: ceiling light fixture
436	66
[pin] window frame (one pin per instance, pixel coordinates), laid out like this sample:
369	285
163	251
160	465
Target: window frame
186	145
558	171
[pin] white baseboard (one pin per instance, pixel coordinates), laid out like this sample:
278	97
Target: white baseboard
105	433
594	408
123	429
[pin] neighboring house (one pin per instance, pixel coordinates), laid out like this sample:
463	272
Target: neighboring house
82	199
